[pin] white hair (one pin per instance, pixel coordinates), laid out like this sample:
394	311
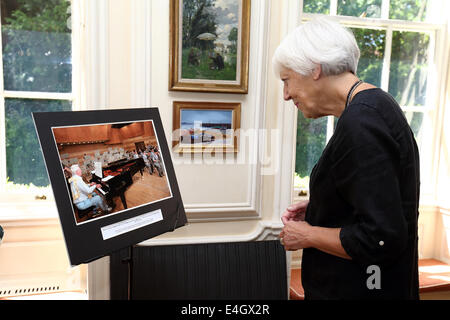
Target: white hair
320	41
74	168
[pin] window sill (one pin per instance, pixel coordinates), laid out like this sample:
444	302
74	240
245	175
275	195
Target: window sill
427	199
33	210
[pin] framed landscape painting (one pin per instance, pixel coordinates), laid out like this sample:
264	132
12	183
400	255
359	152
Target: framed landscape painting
209	45
205	126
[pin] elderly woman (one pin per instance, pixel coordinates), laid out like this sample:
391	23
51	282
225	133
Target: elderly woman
359	227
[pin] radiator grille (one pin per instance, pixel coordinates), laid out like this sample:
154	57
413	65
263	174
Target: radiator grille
240	270
22	291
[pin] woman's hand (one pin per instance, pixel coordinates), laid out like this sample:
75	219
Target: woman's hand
295	212
296	235
300	235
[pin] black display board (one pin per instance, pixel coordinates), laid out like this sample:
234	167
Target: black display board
69	138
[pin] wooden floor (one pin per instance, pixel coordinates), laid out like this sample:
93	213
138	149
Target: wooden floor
434	281
146	188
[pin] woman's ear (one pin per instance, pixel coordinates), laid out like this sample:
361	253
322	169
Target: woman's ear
317	72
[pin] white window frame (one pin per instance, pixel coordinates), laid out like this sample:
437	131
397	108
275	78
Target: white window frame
435	87
32	226
90	85
8	94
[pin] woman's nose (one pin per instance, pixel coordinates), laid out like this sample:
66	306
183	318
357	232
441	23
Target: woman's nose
286	94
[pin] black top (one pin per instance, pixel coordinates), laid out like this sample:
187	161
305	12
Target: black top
367	183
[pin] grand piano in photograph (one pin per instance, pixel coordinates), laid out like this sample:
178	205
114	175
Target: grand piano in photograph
117	177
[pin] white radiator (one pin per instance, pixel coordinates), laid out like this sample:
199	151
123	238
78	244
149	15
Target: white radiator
33	260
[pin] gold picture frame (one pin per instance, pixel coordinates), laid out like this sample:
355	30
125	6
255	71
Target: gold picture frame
211	58
200	127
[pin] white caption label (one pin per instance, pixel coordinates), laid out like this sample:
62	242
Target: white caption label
131	224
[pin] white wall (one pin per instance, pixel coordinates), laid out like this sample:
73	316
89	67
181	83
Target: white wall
231	201
442	236
210	188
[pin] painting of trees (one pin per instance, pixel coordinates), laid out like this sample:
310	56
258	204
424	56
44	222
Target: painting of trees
209	39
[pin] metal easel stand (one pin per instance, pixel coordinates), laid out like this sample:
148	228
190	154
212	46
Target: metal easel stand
126	257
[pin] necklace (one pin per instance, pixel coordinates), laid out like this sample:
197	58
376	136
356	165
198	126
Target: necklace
352	89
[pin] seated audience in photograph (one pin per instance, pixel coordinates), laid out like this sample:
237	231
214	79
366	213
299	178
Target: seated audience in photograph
83	194
129	155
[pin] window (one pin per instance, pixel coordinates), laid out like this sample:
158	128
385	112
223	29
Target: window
36	70
36	74
399	41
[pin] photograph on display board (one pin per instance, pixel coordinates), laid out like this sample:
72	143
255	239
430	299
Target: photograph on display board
111	167
112	178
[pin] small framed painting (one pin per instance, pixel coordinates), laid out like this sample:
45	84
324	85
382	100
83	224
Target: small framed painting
209	45
205	126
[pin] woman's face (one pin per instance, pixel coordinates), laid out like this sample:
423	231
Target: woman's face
303	91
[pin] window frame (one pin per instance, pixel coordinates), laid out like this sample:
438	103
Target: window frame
435	87
32	226
18	205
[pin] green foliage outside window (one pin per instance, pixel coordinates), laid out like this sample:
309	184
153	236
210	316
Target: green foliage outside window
371	44
409	67
410	10
311	138
25	163
316	6
36	46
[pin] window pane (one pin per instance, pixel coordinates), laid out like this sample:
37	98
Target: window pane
409	67
36	45
360	8
24	160
419	126
411	10
371	44
313	6
415	120
311	139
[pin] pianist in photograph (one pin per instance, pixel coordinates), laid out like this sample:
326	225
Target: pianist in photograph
83	195
110	172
